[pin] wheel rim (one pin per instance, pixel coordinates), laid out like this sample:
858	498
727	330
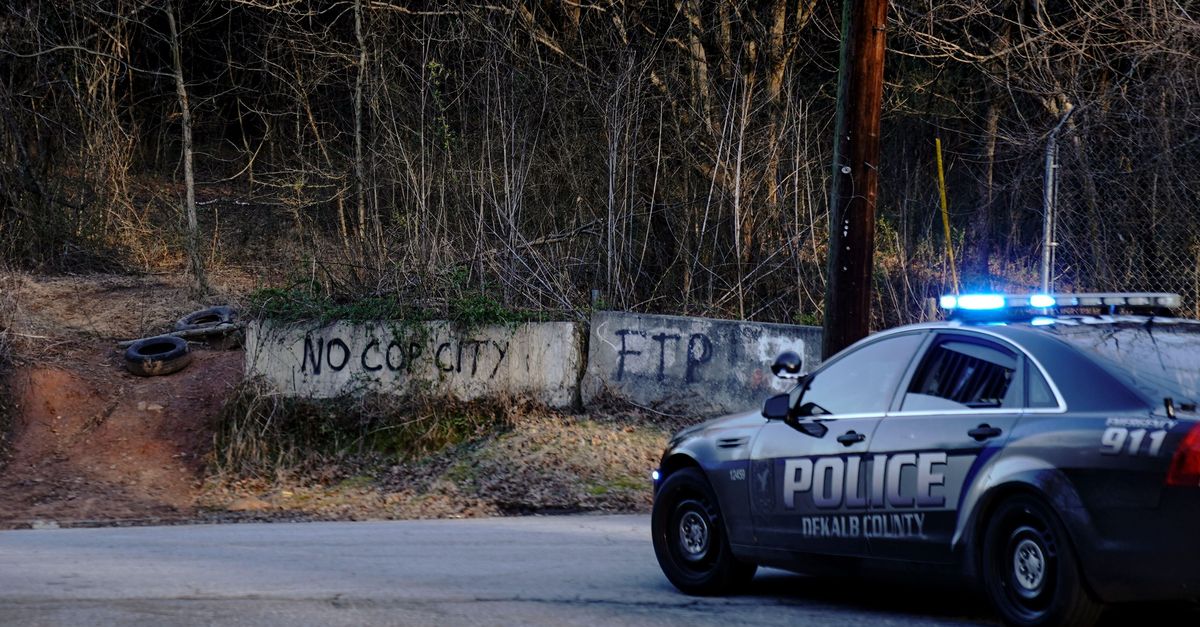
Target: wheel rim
1029	567
693	536
1028	564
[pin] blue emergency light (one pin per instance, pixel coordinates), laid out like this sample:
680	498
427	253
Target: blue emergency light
1041	300
974	302
1013	306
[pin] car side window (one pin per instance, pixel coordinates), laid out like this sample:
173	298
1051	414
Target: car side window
862	381
958	374
1040	395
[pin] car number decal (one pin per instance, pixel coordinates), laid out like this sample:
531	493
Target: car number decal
1116	440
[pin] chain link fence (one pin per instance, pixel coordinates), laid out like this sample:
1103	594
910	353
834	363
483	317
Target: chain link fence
1127	212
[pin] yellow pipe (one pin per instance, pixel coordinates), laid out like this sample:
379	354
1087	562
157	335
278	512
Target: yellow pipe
946	214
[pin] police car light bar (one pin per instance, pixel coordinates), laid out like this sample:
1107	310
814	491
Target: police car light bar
997	303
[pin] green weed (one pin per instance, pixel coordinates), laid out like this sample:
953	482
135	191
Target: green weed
464	306
298	303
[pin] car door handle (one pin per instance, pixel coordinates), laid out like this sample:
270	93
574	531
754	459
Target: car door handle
851	437
984	431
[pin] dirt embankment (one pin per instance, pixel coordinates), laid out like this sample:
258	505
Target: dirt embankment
89	442
92	444
95	444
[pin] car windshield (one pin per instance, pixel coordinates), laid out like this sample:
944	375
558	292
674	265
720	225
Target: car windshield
1162	356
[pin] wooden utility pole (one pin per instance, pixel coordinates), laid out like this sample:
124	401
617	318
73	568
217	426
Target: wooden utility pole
855	174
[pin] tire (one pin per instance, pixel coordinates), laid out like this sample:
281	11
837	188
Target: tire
1029	568
209	318
157	356
689	537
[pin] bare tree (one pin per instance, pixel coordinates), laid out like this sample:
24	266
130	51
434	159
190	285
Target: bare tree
196	260
670	154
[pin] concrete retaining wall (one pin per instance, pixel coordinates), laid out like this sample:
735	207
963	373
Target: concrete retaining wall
694	365
541	360
699	365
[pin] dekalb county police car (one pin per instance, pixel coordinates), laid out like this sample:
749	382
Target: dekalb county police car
1053	458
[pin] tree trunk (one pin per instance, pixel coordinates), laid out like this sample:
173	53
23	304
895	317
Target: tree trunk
196	263
983	212
359	176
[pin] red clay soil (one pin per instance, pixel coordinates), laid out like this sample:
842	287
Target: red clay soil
92	443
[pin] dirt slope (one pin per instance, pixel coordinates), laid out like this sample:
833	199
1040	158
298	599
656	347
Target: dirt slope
90	441
93	444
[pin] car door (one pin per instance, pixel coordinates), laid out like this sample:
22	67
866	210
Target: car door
958	407
806	490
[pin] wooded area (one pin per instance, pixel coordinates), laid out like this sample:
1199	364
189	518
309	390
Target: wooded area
673	156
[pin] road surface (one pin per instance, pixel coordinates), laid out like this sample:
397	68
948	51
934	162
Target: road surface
561	570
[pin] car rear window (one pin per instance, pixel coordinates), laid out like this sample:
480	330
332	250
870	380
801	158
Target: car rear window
1162	356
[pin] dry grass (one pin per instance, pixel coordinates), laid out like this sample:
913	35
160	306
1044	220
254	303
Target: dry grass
553	462
262	434
105	306
387	457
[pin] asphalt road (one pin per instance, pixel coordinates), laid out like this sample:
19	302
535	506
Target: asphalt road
563	570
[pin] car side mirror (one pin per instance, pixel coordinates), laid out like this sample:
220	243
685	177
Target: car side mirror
777	407
787	365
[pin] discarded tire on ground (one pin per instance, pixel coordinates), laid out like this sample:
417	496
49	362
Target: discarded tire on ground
205	319
157	356
215	326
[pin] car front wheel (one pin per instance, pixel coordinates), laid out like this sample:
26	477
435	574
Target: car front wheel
689	537
1029	568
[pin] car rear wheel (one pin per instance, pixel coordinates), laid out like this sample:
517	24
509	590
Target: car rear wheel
689	537
1029	568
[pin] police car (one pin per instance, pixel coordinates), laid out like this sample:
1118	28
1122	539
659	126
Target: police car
1047	446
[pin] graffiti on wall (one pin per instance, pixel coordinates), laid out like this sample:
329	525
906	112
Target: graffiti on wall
470	357
536	360
679	355
697	351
